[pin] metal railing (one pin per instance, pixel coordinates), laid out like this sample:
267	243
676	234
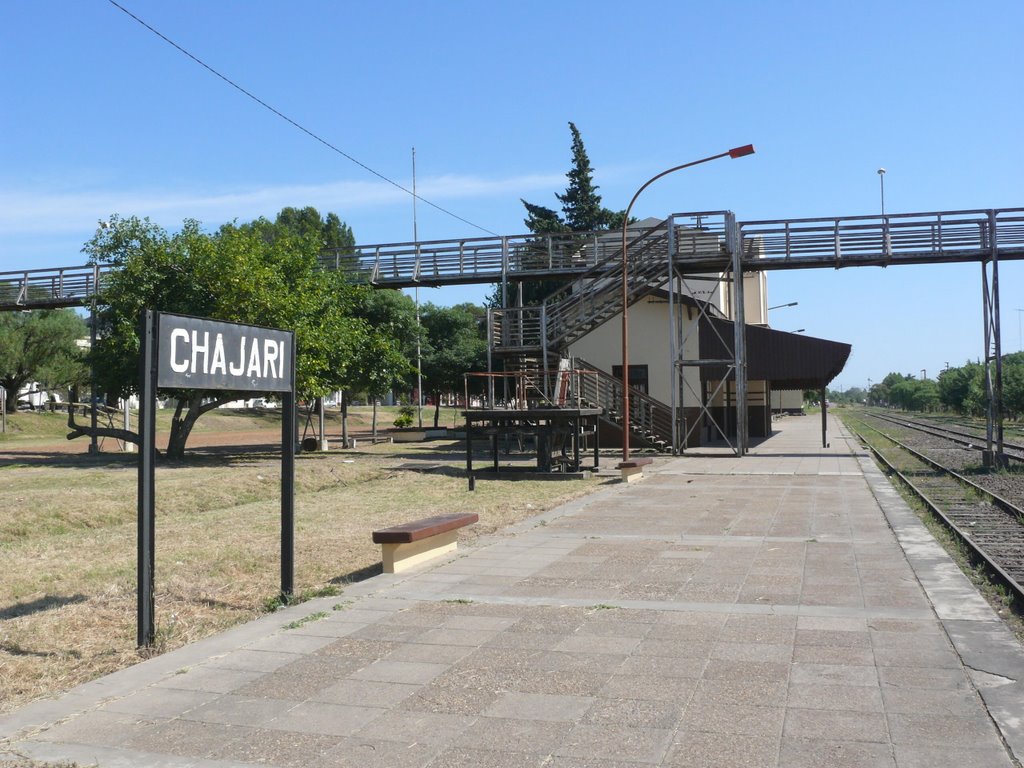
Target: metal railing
531	387
58	287
696	241
595	296
876	240
517	328
649	419
479	259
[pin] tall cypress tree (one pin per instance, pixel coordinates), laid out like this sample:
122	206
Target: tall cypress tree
581	204
582	209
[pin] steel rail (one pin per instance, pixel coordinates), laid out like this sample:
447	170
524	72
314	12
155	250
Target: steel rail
965	439
1012	581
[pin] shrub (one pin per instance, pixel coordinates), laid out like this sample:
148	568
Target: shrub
405	416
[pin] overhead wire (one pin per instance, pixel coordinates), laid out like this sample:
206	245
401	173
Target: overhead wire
294	123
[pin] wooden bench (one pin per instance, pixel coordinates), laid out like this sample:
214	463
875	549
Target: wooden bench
409	544
634	469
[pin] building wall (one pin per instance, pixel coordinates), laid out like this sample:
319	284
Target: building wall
723	407
787	399
648	345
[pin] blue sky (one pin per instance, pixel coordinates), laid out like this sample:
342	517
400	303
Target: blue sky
101	116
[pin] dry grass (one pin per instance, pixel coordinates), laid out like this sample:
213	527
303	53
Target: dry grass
67	538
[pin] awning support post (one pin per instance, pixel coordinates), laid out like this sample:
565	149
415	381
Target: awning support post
824	418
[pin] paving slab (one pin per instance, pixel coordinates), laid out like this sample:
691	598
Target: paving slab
783	609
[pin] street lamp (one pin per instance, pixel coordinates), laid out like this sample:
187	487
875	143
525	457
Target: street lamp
881	185
780	306
886	240
743	151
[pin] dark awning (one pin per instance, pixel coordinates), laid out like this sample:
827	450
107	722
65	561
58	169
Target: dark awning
787	360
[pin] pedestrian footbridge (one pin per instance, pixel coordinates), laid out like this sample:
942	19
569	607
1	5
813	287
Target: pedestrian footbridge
696	243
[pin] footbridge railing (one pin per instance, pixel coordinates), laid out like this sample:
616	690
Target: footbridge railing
905	238
471	260
50	288
850	241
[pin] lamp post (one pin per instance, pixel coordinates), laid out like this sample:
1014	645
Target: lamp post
881	187
886	239
747	149
781	306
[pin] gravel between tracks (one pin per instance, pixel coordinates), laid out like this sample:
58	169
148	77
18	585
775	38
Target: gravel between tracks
966	461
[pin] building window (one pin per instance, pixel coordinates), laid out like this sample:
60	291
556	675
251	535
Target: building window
637	376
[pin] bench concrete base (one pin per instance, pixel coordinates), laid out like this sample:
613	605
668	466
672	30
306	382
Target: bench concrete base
399	557
409	544
633	470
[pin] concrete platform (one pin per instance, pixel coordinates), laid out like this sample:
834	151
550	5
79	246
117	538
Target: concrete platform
784	609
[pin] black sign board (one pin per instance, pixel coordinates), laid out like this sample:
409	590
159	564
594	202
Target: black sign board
196	353
180	352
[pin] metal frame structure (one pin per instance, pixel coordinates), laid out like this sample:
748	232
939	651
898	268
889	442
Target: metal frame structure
986	236
993	454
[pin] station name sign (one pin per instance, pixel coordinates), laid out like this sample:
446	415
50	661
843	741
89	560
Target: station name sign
196	353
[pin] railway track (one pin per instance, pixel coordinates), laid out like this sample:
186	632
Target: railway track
990	526
971	440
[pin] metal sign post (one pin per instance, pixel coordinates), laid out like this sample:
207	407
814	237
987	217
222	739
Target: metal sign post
145	624
180	352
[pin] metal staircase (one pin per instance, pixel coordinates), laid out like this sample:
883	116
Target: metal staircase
588	301
650	420
541	335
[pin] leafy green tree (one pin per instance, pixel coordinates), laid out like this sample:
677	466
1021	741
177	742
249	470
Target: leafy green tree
455	346
1013	388
237	274
954	385
306	223
39	346
976	402
383	354
925	396
912	394
377	365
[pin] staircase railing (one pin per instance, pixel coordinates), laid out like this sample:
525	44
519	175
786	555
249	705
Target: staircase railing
591	299
649	419
595	296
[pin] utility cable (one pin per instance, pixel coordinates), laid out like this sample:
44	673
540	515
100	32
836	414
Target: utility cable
293	123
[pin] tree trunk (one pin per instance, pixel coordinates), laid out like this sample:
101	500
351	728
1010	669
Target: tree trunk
437	409
13	385
181	427
373	428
